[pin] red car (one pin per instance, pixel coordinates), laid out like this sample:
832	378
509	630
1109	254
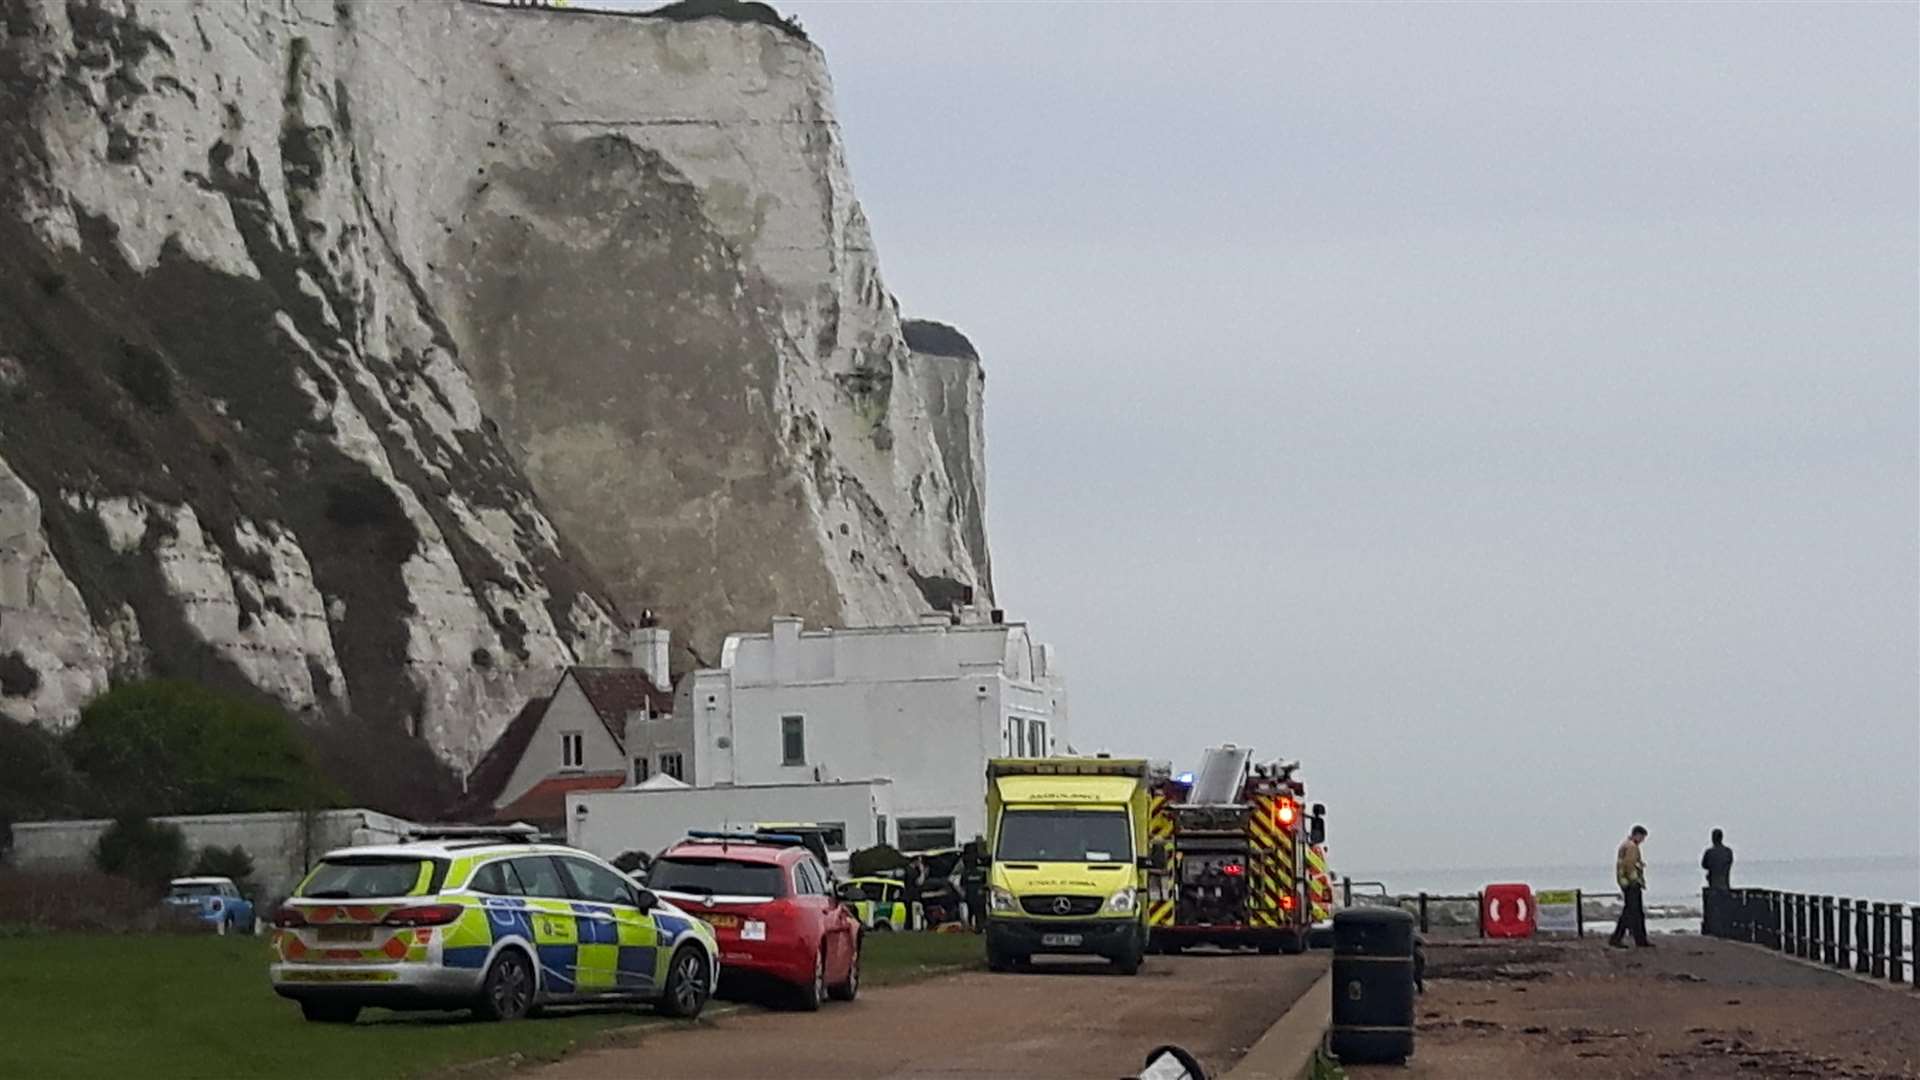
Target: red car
773	909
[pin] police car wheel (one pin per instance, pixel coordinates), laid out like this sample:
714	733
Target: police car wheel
507	992
330	1012
850	989
688	984
883	927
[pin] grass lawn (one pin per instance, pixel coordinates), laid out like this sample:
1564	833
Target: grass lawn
165	1006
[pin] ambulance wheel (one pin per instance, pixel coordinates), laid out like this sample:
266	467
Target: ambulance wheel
1293	944
1128	962
1000	961
330	1012
689	984
807	997
850	989
507	991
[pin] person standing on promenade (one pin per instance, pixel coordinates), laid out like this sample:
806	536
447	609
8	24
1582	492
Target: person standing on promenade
1717	861
1630	873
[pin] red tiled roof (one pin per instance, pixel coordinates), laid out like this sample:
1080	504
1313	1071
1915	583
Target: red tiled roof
546	801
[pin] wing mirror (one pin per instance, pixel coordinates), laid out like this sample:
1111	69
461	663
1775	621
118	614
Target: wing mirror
849	893
1317	825
646	901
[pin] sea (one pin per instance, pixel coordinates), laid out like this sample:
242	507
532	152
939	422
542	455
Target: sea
1673	888
1888	878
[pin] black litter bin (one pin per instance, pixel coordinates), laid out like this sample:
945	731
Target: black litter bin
1372	985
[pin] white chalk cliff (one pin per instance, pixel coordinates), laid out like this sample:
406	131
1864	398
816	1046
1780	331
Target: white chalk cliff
379	355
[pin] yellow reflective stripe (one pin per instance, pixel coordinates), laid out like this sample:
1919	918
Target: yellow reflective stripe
425	878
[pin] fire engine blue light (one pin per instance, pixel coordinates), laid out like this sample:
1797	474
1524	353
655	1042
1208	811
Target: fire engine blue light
1185	778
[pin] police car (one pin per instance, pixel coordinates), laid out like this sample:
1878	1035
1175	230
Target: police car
485	919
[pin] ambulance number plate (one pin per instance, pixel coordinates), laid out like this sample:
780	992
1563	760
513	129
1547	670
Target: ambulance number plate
1059	940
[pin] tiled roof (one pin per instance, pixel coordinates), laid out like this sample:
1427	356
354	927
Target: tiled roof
545	803
615	692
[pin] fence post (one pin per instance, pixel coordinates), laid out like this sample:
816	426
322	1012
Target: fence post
1579	913
1346	887
1842	930
1792	904
1423	913
1862	955
1825	952
1879	956
1896	945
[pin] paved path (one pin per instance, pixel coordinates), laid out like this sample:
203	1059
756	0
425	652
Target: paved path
1693	1007
1058	1022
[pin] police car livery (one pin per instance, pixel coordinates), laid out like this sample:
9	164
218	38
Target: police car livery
486	921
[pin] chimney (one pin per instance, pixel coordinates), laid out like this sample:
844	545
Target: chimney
998	616
786	647
648	648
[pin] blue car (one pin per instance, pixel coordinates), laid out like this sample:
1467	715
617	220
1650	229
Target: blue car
212	902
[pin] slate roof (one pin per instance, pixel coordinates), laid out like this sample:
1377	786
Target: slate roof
612	692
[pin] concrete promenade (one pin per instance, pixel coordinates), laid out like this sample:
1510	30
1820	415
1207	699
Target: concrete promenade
1691	1006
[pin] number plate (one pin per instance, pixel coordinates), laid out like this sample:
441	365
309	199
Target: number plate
722	920
343	933
1060	940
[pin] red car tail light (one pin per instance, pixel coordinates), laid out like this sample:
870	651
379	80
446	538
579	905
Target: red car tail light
287	917
423	915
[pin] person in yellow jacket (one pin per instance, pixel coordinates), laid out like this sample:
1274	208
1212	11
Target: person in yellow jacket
1630	873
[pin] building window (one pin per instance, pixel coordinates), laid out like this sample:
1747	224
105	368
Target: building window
1012	726
573	750
793	740
1019	737
670	766
834	835
925	833
1037	737
642	768
879	828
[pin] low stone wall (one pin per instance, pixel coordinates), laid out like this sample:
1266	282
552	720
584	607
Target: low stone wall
283	844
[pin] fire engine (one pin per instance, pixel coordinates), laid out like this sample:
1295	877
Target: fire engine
1233	855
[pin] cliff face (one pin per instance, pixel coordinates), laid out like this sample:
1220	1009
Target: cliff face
374	355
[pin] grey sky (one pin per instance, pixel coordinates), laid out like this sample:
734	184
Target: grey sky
1510	411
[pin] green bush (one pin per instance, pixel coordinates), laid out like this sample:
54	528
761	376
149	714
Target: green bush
36	780
179	748
233	863
146	852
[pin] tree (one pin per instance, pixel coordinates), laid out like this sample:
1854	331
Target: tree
150	853
36	779
180	748
232	863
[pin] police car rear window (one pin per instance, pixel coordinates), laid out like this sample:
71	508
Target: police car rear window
716	877
366	877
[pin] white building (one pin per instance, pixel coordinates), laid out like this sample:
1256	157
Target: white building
660	812
923	706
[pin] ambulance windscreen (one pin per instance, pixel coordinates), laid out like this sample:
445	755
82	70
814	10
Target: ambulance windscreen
1081	836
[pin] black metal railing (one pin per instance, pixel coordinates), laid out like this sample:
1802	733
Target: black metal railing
1868	937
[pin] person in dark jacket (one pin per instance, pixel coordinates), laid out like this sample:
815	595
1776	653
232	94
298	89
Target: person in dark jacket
1717	861
916	886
